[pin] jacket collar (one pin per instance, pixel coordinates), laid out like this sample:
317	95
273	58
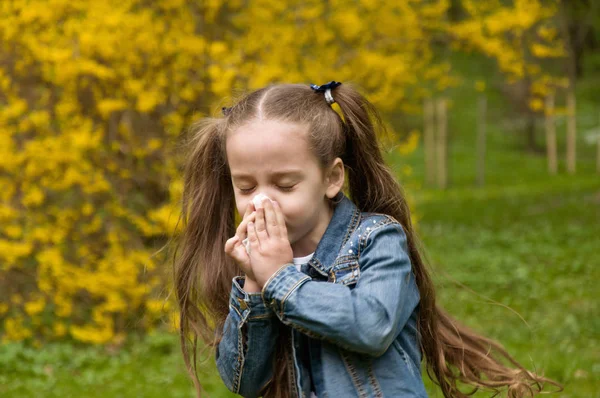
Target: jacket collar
345	218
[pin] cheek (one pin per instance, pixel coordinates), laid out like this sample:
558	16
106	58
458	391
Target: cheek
289	207
295	211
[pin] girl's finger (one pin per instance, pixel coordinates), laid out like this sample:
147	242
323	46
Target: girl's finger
271	219
230	244
243	227
239	253
280	219
252	236
260	226
249	209
231	249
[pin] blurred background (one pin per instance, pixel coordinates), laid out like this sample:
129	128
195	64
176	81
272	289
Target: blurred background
494	115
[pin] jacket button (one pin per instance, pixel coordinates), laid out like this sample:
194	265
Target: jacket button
243	304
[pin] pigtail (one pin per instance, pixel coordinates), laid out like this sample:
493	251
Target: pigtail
372	184
202	273
454	354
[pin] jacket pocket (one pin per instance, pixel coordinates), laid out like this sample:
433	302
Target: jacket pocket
345	274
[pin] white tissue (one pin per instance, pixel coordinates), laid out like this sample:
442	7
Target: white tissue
257	200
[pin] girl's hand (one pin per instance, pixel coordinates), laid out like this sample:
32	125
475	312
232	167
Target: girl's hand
234	247
270	248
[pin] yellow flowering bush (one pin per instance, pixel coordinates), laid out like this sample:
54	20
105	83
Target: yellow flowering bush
92	97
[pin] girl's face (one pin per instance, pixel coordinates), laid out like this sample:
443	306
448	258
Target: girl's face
273	158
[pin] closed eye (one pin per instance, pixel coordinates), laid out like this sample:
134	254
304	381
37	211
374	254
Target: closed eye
287	189
284	189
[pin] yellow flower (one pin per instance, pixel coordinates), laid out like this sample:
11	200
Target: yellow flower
536	104
33	197
35	307
410	144
59	329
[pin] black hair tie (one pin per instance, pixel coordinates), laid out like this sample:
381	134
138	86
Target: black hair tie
326	88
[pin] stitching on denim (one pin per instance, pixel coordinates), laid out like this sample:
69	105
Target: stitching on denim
373	381
347	280
236	310
353	375
240	363
353	279
291	366
352	265
261	316
344	259
268	282
362	242
296	285
354	223
317	265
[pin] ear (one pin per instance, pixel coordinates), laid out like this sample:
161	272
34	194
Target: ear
334	178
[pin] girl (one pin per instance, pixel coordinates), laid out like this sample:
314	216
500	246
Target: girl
282	330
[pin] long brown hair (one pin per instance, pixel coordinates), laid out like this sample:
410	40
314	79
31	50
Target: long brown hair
454	354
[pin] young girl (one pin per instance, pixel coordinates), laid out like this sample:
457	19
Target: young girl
329	295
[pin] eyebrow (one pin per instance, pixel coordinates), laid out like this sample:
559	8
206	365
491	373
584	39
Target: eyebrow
277	174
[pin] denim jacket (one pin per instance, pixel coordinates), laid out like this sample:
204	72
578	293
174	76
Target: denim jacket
355	336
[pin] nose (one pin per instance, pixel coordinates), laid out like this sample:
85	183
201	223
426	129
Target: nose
259	198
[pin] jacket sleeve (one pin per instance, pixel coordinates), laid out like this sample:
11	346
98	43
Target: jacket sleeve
365	319
244	355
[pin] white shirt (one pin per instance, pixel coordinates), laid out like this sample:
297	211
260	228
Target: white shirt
299	262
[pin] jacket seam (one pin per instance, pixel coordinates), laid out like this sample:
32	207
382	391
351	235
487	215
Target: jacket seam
354	223
362	242
373	381
353	375
262	316
294	287
268	282
240	362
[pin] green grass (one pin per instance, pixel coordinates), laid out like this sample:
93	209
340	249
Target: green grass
146	367
528	264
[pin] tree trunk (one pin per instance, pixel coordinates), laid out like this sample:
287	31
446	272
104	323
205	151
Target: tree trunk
571	132
598	145
550	135
442	144
530	133
429	140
